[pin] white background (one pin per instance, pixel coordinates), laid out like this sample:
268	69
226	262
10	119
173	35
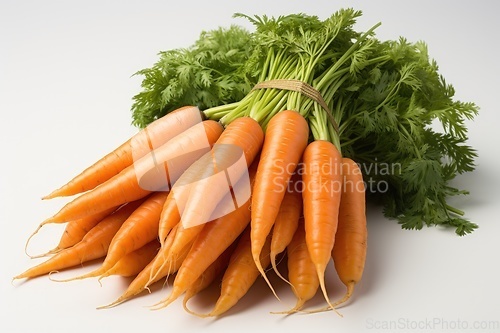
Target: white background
65	93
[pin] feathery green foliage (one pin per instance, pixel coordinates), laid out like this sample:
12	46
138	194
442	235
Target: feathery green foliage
387	98
205	75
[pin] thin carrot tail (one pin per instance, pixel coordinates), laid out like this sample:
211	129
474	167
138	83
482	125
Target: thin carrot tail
347	295
94	273
176	292
187	297
104	275
256	249
46	254
297	307
156	271
54	194
274	265
256	258
29	240
321	275
118	301
127	295
345	298
158	265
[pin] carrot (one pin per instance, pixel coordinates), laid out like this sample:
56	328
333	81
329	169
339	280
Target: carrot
125	186
286	138
241	141
74	232
134	262
287	220
170	215
211	242
140	228
164	262
208	277
322	178
151	274
240	274
349	251
301	270
154	135
93	246
203	182
218	168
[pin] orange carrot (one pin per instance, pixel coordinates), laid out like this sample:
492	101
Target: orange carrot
151	274
240	274
125	186
322	178
74	232
208	277
243	135
211	242
153	136
140	228
134	262
169	218
286	221
93	246
349	251
164	262
286	138
301	270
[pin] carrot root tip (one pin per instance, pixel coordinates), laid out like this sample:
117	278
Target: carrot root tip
263	274
275	269
81	277
29	240
320	271
167	301
298	306
188	310
111	305
347	295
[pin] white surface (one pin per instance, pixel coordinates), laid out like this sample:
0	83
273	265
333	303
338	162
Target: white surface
65	96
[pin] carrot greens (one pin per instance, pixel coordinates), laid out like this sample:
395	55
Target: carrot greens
338	114
386	97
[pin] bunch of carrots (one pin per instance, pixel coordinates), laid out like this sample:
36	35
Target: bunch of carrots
154	219
223	195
